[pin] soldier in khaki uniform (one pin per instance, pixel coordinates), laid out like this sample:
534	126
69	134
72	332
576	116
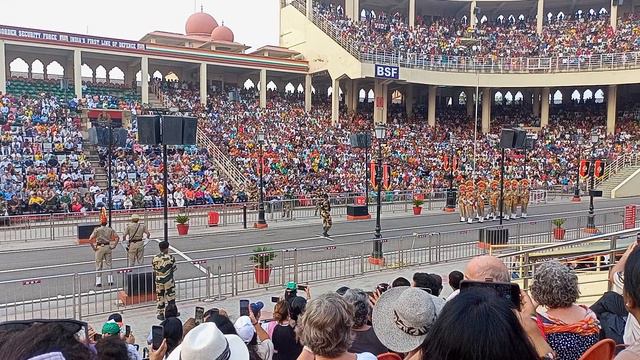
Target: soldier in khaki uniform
470	201
515	199
524	194
462	194
164	265
481	196
101	239
494	198
507	200
135	233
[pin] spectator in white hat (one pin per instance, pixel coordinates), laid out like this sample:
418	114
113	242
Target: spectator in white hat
257	340
206	342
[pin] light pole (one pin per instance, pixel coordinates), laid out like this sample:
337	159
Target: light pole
451	197
262	223
381	132
591	223
576	190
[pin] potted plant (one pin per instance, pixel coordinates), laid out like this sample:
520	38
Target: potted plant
559	231
261	258
417	206
182	221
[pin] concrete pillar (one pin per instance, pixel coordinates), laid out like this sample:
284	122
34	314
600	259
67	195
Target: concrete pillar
470	93
614	15
612	99
307	93
486	110
412	13
472	16
544	109
378	103
335	101
106	76
352	9
385	99
309	9
352	95
536	103
408	100
203	83
77	72
3	69
540	17
263	88
144	79
431	106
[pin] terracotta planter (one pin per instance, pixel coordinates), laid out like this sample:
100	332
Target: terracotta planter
558	233
262	275
417	210
183	229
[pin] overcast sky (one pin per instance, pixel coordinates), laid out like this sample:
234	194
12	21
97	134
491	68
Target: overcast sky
254	22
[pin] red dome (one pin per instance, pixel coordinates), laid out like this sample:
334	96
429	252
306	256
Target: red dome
222	33
201	24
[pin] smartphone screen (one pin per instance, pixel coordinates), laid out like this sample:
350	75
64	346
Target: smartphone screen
275	299
97	337
507	291
156	336
302	287
127	330
244	307
199	315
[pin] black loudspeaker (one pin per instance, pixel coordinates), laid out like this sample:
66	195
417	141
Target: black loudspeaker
529	143
520	139
189	129
139	284
171	130
120	137
506	138
85	230
148	130
512	138
360	140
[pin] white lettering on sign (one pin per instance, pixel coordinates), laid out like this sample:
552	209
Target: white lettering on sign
70	38
387	72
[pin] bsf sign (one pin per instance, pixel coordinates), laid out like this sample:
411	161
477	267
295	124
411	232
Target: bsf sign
387	72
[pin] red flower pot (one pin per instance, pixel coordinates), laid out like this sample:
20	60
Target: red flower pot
183	229
262	275
417	210
558	233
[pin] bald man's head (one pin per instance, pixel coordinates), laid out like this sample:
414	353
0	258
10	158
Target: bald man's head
483	268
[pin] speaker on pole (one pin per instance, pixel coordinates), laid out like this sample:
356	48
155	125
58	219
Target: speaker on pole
149	130
120	137
189	129
512	139
172	130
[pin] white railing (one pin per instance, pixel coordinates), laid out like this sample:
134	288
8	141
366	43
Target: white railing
223	163
483	64
621	162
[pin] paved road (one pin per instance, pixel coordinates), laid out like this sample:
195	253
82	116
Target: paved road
35	263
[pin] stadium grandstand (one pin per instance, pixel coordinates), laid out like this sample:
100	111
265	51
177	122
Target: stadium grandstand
361	105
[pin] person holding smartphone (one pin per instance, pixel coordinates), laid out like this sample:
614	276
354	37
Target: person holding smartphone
111	328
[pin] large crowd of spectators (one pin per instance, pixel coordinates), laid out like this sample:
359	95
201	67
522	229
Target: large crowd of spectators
582	34
304	154
402	320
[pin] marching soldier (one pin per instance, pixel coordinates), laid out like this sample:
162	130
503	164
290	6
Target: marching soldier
524	196
135	233
494	199
462	193
101	239
325	213
480	199
164	265
470	202
515	199
507	200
